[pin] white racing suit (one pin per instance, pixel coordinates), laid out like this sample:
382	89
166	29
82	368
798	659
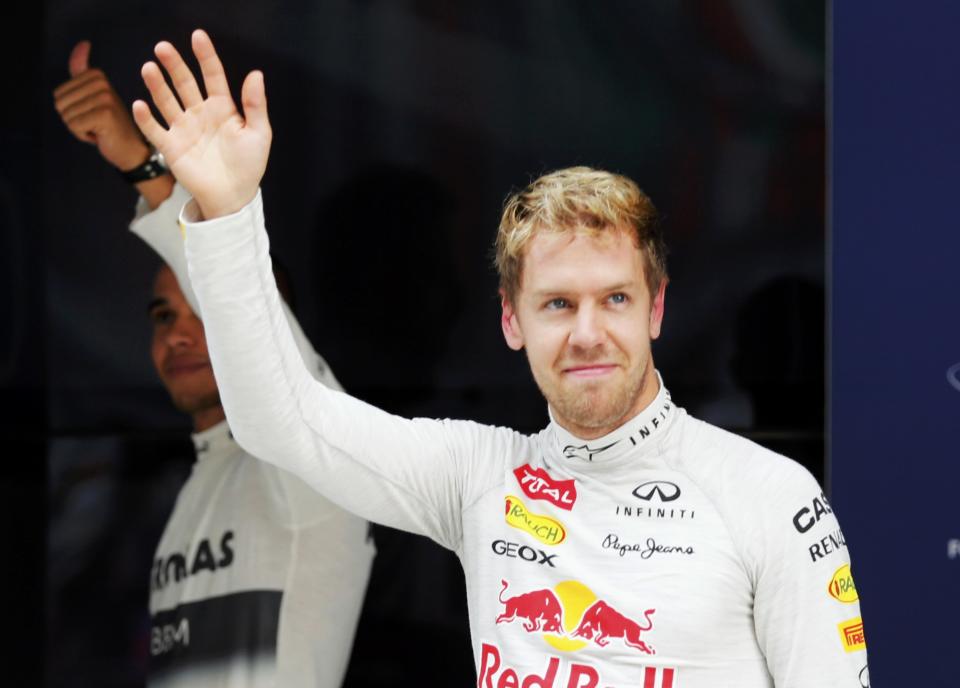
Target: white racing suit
257	580
669	553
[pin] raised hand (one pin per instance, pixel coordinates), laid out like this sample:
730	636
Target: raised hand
94	113
218	154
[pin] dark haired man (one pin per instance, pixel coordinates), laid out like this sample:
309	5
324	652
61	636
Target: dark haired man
256	580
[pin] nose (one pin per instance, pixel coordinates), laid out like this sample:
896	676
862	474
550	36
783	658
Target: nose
180	336
588	329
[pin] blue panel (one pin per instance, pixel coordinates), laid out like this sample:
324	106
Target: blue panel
895	327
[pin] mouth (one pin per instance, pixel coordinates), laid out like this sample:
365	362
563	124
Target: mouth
591	370
184	367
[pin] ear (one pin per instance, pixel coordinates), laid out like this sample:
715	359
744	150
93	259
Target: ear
510	324
656	309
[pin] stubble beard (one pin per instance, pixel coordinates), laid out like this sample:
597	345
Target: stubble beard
593	408
192	403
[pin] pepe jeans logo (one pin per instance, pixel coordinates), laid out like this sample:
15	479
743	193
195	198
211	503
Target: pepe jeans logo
953	376
547	530
662	490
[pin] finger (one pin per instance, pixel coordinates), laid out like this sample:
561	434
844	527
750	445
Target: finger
253	95
79	82
162	96
85	124
180	75
79	60
148	124
214	78
68	103
100	100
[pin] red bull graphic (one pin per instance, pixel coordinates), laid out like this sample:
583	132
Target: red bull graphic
571	616
602	621
494	672
536	483
539	610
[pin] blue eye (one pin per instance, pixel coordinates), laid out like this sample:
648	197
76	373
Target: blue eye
618	298
557	304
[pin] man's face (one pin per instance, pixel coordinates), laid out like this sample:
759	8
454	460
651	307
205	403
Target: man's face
179	348
586	318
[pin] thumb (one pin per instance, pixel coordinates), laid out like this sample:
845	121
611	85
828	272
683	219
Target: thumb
79	58
253	95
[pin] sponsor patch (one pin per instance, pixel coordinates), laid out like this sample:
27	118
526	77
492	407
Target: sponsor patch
536	483
570	615
547	530
841	587
851	635
517	551
809	516
496	672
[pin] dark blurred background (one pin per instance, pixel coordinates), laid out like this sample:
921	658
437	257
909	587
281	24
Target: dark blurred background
399	129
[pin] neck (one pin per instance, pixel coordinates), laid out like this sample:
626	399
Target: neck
648	392
207	418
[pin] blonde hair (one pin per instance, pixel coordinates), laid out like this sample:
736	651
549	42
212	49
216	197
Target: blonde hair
578	199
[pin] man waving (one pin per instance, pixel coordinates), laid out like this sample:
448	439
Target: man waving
626	544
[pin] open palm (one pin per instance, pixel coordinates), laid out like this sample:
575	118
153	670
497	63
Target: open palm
218	154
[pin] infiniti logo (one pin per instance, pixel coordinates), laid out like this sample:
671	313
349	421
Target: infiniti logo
663	490
953	376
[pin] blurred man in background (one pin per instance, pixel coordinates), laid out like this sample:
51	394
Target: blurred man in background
256	581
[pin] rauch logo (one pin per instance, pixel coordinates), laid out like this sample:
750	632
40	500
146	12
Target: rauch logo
547	530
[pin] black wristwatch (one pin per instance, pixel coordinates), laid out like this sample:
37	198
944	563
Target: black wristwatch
151	168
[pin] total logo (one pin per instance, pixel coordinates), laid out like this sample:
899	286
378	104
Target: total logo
851	635
536	483
547	530
654	496
841	587
569	617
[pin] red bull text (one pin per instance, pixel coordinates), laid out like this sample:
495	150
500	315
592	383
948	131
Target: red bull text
495	673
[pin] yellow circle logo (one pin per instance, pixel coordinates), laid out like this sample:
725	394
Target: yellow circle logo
841	587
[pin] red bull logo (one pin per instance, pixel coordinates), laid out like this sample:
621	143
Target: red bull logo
570	616
536	483
494	672
537	610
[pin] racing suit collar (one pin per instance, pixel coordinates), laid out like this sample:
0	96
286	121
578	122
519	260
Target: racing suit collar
639	431
214	441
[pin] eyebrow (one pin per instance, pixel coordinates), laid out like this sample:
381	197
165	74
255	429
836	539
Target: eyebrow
154	303
544	293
